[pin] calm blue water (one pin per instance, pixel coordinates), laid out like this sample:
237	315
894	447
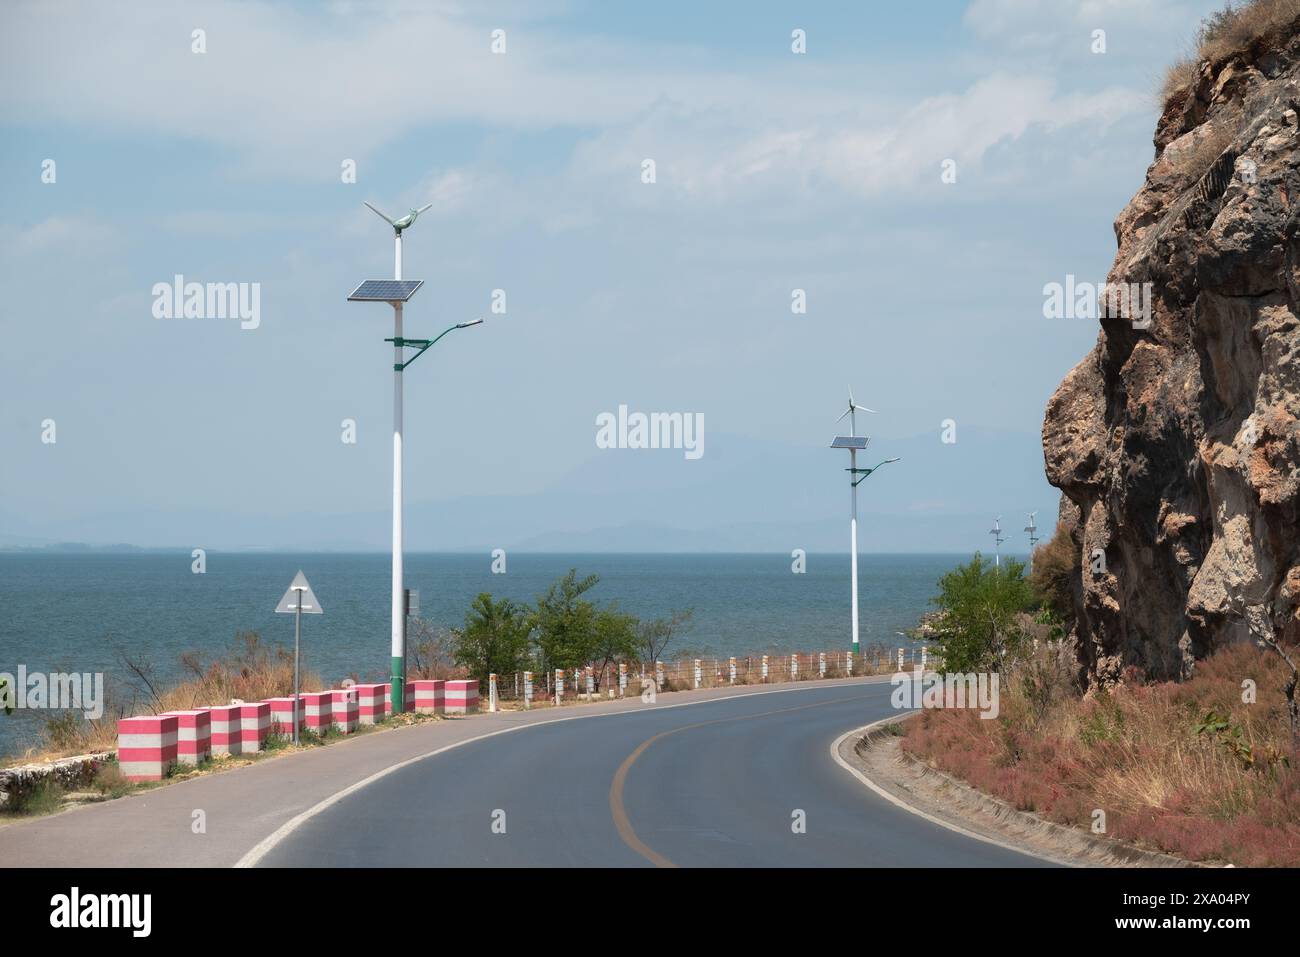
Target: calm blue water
82	612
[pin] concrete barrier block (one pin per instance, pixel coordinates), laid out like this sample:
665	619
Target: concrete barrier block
224	724
428	695
462	697
146	746
282	716
319	708
193	735
346	712
254	726
372	702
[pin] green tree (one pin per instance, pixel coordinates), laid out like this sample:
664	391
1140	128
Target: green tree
495	638
654	636
616	638
567	623
980	610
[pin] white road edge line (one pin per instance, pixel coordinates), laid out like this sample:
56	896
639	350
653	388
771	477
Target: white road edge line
835	753
268	843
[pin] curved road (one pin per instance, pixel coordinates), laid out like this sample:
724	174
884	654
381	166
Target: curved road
714	784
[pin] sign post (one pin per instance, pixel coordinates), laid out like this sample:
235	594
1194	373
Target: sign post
298	599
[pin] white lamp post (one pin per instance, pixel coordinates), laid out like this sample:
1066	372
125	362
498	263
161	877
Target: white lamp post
397	292
855	443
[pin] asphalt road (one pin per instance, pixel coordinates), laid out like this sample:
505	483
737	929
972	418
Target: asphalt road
710	777
721	783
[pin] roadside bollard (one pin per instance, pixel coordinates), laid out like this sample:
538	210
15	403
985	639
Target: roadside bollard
731	665
900	659
591	684
492	691
146	746
765	667
193	735
697	673
848	663
923	656
659	675
622	678
528	690
794	667
461	696
821	664
559	685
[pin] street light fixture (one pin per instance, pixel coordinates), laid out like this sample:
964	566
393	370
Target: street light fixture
396	292
996	532
855	443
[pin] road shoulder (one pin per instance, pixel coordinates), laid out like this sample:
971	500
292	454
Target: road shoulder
872	754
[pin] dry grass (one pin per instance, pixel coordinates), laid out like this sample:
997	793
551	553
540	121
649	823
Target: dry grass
250	671
1227	33
1185	768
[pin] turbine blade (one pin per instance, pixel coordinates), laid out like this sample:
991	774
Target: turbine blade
841	418
379	214
863	408
423	208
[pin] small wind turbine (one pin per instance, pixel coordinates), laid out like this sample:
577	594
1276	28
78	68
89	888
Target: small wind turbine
1031	528
996	532
850	412
855	443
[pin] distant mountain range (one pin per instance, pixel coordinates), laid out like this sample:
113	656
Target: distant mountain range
744	495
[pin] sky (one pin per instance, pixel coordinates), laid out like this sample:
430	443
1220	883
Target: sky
774	171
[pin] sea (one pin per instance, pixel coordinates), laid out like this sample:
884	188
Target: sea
91	612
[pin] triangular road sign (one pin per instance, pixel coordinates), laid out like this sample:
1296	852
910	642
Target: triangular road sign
299	593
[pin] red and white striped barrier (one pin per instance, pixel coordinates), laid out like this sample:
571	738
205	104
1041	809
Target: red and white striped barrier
462	697
225	723
345	710
282	716
371	703
193	735
318	709
254	726
427	696
146	746
410	697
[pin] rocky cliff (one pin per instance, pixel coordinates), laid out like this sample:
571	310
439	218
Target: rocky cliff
1175	442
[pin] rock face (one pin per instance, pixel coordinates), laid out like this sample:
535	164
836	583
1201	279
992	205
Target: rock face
1176	441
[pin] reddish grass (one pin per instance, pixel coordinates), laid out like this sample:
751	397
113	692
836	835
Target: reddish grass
1231	794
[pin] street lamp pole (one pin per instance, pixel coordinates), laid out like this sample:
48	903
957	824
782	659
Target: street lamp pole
396	293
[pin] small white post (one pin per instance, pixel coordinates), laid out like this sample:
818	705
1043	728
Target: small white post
765	667
697	672
591	684
559	685
492	691
923	656
848	663
528	690
821	664
622	678
731	664
900	659
794	667
659	675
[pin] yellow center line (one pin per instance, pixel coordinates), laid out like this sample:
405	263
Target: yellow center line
619	812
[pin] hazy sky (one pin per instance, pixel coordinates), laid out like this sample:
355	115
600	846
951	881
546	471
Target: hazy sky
775	171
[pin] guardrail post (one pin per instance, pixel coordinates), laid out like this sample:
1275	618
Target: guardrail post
659	675
848	663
